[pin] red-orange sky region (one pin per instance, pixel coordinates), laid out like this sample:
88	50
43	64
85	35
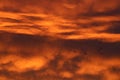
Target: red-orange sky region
59	39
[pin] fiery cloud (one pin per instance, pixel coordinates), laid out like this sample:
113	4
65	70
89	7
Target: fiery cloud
59	40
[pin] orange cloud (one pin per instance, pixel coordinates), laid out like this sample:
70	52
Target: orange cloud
66	39
17	64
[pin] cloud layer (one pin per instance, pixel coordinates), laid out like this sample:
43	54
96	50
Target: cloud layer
59	40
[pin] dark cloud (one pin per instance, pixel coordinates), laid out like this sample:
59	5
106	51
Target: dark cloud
10	20
65	8
95	47
115	70
113	12
114	29
68	33
91	77
23	43
33	18
9	9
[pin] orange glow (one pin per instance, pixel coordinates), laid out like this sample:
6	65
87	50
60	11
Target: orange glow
59	39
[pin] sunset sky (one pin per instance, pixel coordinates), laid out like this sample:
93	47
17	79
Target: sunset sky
59	39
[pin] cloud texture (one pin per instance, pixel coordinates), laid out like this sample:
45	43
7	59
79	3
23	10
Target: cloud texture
59	40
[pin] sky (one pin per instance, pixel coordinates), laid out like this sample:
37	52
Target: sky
59	39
